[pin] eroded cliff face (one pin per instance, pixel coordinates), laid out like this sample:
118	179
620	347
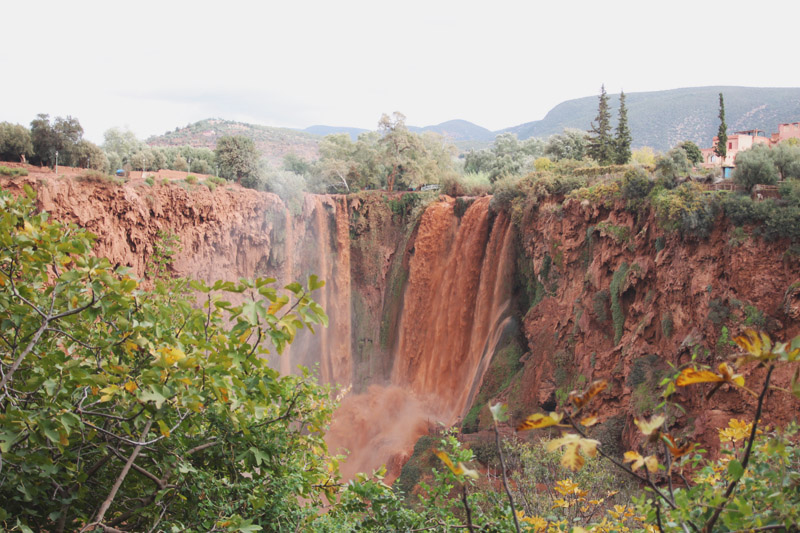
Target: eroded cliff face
614	297
421	298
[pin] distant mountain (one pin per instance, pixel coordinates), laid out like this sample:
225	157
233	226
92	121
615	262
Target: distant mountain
273	143
661	119
458	130
330	130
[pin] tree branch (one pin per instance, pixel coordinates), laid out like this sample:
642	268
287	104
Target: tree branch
118	483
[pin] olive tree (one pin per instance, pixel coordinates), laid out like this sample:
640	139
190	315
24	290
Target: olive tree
755	166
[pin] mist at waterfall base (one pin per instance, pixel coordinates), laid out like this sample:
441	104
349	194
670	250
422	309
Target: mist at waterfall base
454	310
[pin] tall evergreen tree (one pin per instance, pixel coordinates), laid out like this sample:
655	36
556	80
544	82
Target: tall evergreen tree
601	144
721	149
623	139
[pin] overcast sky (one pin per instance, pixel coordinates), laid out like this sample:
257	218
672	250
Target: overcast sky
152	66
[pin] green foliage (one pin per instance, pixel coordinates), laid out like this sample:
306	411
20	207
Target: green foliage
60	138
623	139
570	145
96	371
672	165
786	157
620	234
98	177
15	142
191	179
469	184
767	497
718	312
755	166
693	152
615	292
150	180
601	145
770	219
721	148
12	172
600	302
687	208
237	158
636	185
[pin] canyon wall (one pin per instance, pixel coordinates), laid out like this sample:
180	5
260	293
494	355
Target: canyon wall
436	309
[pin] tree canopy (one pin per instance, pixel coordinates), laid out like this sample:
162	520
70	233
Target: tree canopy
238	159
601	144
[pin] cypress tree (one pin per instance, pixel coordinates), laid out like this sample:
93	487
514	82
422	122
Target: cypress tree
721	149
601	145
623	139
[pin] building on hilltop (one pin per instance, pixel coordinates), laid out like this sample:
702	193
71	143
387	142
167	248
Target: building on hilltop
743	140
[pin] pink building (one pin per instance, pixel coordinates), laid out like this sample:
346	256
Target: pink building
742	140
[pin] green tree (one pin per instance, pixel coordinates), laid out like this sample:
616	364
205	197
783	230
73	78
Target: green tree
601	144
86	154
786	157
623	140
408	159
721	148
62	138
571	144
673	165
237	157
294	163
755	166
15	142
179	163
143	409
693	152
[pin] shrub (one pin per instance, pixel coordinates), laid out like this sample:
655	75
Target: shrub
636	185
191	179
504	190
615	291
755	166
150	180
95	176
688	209
12	172
468	184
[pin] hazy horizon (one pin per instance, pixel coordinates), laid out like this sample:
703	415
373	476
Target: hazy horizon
155	66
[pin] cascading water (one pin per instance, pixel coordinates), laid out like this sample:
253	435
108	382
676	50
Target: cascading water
454	311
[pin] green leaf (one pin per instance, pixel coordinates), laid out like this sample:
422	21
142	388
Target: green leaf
735	469
250	313
29	192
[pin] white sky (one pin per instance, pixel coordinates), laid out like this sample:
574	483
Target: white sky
154	65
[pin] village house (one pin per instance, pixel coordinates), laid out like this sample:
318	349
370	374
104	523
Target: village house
743	140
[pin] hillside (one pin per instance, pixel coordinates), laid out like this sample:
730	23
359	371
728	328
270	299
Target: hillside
274	143
661	119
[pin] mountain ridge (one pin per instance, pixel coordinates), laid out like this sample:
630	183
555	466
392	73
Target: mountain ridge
659	119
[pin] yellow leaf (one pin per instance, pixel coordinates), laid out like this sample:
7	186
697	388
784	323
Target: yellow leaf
459	470
130	386
163	428
589	421
446	460
572	443
759	346
651	462
63	439
648	428
690	376
635	459
539	420
594	389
